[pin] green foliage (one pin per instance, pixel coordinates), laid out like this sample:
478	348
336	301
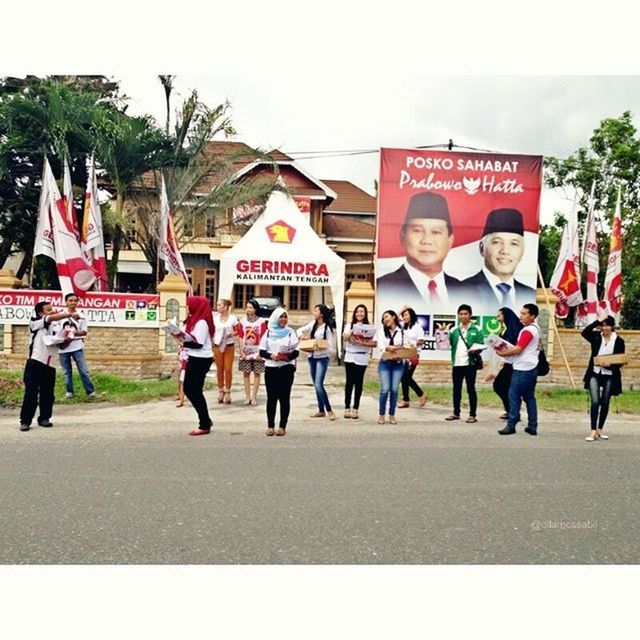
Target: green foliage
612	160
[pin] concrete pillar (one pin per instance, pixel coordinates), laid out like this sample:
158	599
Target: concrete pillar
172	289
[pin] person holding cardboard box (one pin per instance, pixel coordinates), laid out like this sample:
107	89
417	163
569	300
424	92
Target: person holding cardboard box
393	341
320	331
359	339
602	378
416	336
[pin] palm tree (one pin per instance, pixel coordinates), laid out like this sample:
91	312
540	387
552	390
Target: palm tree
167	83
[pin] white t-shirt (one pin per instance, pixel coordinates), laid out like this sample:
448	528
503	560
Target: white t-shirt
286	344
44	335
462	353
356	353
250	333
606	350
200	334
323	332
76	343
398	338
225	327
527	359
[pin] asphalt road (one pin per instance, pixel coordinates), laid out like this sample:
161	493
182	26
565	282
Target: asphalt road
125	485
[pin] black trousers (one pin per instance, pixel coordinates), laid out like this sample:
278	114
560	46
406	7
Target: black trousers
39	383
353	385
408	381
194	384
600	392
468	374
501	384
278	382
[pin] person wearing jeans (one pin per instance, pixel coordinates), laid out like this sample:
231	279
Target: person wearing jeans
602	382
415	333
320	328
390	370
73	348
524	358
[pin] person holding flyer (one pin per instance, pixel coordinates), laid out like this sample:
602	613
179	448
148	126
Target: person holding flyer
250	330
416	336
279	350
358	336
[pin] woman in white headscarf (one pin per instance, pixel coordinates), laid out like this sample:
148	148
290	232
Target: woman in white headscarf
279	350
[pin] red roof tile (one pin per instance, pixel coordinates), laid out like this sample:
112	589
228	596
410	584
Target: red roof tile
340	226
351	199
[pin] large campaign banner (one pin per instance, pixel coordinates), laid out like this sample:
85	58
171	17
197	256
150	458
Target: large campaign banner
456	228
101	309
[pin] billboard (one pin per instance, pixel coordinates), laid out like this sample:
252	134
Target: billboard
101	309
454	228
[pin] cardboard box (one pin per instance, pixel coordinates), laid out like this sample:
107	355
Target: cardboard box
404	353
313	345
614	358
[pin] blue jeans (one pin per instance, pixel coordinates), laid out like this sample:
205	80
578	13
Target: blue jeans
390	372
523	387
318	368
81	363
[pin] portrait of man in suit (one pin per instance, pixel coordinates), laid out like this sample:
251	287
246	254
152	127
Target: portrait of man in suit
420	282
502	248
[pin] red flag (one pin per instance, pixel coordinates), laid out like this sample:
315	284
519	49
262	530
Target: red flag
67	197
612	302
168	246
92	238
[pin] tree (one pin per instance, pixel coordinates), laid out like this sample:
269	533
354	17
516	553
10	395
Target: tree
612	160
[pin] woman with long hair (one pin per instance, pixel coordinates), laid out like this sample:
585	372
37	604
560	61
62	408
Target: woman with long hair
356	359
196	340
278	348
415	334
390	370
250	330
320	328
224	348
601	381
512	327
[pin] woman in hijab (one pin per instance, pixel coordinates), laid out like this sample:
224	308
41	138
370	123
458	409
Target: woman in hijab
512	327
278	349
196	339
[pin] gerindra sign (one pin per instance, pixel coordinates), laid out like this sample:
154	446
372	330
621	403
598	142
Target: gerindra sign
279	266
280	231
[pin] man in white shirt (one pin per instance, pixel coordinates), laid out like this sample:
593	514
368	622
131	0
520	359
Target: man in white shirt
502	248
75	349
524	358
40	370
421	283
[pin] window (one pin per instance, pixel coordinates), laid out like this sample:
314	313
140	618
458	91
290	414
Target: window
242	293
210	285
299	298
210	226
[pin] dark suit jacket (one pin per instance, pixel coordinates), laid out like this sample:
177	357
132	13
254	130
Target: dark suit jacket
479	290
595	339
398	284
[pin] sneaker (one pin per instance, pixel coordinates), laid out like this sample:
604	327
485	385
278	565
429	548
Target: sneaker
530	431
506	431
45	423
24	427
68	395
91	395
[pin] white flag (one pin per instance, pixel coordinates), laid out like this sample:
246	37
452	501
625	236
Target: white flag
612	302
75	275
67	196
44	235
168	245
591	262
92	239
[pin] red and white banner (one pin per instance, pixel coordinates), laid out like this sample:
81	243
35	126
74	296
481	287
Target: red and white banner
67	197
43	245
612	302
565	281
591	262
101	309
92	238
168	246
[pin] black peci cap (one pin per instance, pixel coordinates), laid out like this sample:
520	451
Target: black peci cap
428	205
504	221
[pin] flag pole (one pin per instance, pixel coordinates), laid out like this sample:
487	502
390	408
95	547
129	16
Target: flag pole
552	321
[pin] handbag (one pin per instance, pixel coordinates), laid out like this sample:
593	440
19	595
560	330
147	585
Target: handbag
475	359
543	364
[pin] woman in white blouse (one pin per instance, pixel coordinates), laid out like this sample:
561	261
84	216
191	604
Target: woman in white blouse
602	382
224	348
320	328
390	337
415	333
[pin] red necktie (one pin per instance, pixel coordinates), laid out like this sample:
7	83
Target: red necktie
434	298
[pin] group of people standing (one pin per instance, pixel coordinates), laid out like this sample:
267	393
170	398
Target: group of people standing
272	347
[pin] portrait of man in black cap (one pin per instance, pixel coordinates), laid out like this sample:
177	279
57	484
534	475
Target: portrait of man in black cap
502	247
427	238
